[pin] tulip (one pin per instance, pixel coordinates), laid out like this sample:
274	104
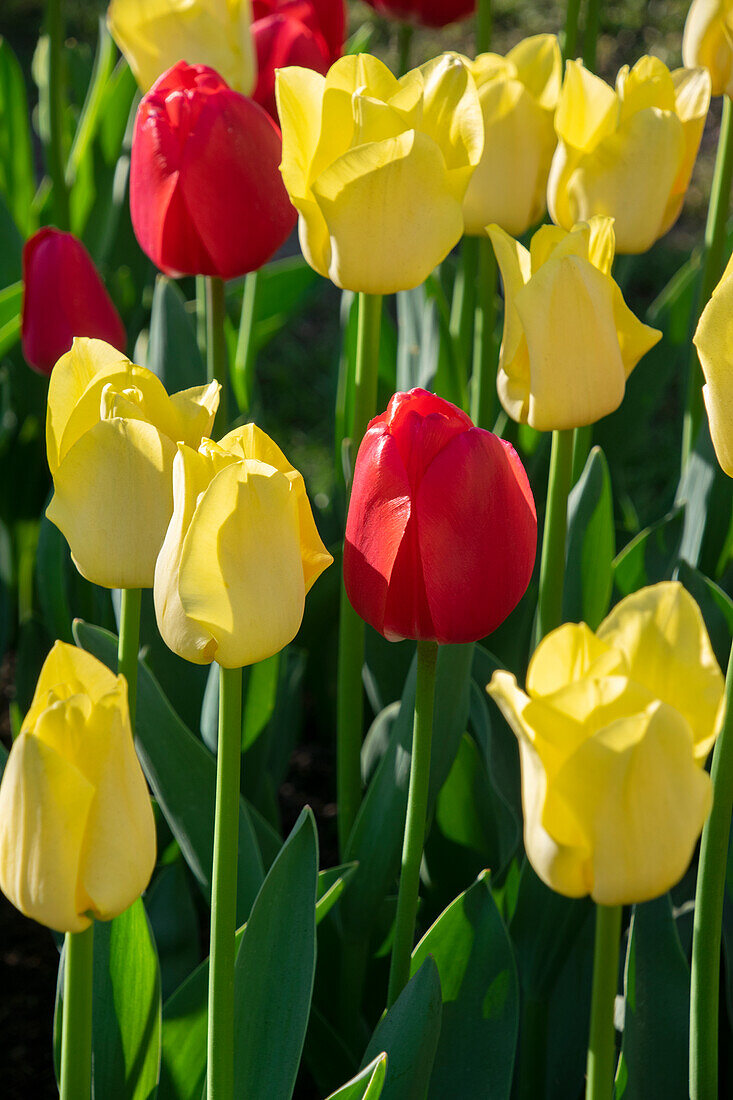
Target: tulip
63	297
155	34
77	834
613	734
429	13
111	434
308	33
206	197
713	340
628	153
518	95
707	42
442	531
552	374
378	167
240	554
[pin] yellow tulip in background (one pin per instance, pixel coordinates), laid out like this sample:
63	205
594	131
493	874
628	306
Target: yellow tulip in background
111	435
518	95
240	554
77	834
714	342
627	153
708	42
613	734
155	34
570	341
378	167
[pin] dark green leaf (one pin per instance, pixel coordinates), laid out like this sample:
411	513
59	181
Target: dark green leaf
590	544
331	885
368	1083
173	353
172	915
17	182
651	556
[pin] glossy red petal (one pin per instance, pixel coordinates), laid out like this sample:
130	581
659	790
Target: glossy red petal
281	41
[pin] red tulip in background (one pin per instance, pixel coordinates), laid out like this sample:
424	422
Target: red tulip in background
442	529
431	13
63	297
308	33
206	195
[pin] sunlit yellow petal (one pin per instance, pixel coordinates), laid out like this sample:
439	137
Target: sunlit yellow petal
538	63
586	110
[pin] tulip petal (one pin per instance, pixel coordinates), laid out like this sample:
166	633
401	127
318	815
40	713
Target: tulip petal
634	337
513	378
538	62
707	42
586	110
66	671
567	655
299	94
451	112
195	410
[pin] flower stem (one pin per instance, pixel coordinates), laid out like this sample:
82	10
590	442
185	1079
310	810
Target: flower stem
128	644
217	364
602	1041
713	261
709	895
462	312
244	358
590	34
76	1032
417	803
552	565
483	405
570	45
404	41
483	26
220	1066
56	106
349	692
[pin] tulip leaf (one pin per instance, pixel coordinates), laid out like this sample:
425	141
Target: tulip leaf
651	556
716	606
282	286
560	1024
325	1053
173	918
656	1026
52	561
17	180
11	250
418	339
367	1085
274	971
478	979
409	1035
182	775
331	884
173	353
590	544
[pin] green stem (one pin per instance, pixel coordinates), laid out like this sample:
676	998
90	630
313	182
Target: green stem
76	1032
404	41
570	44
602	1041
220	1065
244	358
349	691
201	314
712	269
709	913
417	805
590	34
483	405
483	26
463	306
56	106
582	443
552	564
217	360
128	644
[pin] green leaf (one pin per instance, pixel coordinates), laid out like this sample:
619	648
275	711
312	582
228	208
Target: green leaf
654	1052
418	338
409	1034
590	544
651	556
182	775
274	971
480	992
11	250
716	606
331	884
259	704
52	562
17	182
172	915
173	353
367	1085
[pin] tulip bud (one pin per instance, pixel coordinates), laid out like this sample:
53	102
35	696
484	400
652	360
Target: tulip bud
378	167
240	554
713	340
429	13
77	834
627	153
613	734
111	434
63	297
206	197
442	531
707	42
155	34
552	374
518	95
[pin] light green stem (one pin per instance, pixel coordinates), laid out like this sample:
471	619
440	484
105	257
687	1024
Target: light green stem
404	41
602	1041
552	564
128	644
417	805
220	1064
713	263
217	360
590	34
76	1032
483	405
483	26
705	984
244	359
462	311
570	44
56	106
201	314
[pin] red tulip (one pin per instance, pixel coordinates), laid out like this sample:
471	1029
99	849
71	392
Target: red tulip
206	195
308	33
431	13
442	529
63	297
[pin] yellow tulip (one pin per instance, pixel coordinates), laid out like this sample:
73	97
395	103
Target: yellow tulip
570	341
708	42
241	552
518	95
628	153
77	834
378	167
155	34
111	435
613	734
714	342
